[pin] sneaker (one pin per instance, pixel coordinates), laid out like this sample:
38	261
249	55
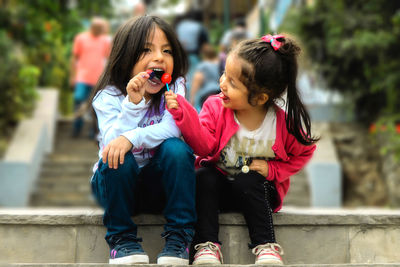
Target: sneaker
176	249
125	249
269	253
208	253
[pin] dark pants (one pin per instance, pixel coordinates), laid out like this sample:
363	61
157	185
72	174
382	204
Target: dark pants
251	194
166	184
81	95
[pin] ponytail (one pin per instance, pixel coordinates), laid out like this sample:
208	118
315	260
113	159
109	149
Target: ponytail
298	121
297	116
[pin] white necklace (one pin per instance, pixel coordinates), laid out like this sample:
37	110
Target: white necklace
245	167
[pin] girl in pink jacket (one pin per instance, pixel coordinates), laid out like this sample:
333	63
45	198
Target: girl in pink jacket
247	147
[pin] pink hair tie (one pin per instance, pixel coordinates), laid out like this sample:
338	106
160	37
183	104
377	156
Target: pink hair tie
273	40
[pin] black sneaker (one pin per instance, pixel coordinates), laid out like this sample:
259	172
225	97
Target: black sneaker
125	249
176	249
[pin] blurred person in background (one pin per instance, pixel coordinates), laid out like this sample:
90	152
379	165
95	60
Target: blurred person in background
232	37
139	9
89	55
206	77
192	35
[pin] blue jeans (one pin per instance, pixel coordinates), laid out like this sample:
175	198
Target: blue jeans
81	94
166	184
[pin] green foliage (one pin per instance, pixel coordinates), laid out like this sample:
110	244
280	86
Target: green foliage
17	83
387	132
355	45
43	31
216	30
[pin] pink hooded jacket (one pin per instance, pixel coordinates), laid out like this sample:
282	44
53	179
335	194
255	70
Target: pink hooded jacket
209	132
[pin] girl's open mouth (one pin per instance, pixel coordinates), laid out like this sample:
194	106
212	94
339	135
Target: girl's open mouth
155	77
223	97
154	82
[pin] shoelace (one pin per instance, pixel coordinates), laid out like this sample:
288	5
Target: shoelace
272	246
121	242
210	246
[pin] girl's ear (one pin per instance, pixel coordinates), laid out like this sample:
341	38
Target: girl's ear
262	99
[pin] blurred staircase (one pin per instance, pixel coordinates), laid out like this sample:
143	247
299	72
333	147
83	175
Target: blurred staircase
64	180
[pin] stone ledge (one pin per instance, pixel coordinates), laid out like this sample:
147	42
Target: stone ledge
33	138
308	236
324	171
223	265
287	216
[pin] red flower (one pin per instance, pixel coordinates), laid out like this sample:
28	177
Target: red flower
398	128
47	57
372	128
47	26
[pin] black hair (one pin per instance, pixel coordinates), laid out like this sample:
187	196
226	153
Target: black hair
274	72
127	48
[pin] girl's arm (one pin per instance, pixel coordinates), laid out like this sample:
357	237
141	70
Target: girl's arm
298	156
116	116
153	135
198	130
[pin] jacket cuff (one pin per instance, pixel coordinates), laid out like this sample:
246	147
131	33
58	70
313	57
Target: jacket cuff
270	176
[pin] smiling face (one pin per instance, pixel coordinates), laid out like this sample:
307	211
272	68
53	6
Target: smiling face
157	55
234	93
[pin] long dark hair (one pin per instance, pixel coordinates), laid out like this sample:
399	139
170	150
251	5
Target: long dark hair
128	46
274	72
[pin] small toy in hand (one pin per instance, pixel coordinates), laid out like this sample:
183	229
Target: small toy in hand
161	75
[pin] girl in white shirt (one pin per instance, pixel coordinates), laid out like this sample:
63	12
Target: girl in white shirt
143	166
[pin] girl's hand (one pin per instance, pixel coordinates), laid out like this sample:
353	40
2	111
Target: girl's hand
260	166
170	98
115	151
135	88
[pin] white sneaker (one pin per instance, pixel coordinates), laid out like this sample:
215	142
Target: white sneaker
269	253
208	253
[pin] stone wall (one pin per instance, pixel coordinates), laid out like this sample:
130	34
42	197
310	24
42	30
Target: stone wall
364	182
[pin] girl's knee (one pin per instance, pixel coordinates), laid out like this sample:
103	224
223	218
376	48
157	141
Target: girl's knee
127	169
176	149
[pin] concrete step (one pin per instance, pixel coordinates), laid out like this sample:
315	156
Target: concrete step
299	192
65	185
57	198
52	188
156	265
65	174
309	237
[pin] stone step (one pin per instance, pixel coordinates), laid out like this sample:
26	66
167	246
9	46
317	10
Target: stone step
65	174
309	237
299	192
56	198
68	171
156	265
49	188
73	182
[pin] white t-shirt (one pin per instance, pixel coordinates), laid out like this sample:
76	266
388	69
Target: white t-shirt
245	145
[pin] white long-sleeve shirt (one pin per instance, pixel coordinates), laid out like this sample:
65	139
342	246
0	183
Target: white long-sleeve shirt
145	130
